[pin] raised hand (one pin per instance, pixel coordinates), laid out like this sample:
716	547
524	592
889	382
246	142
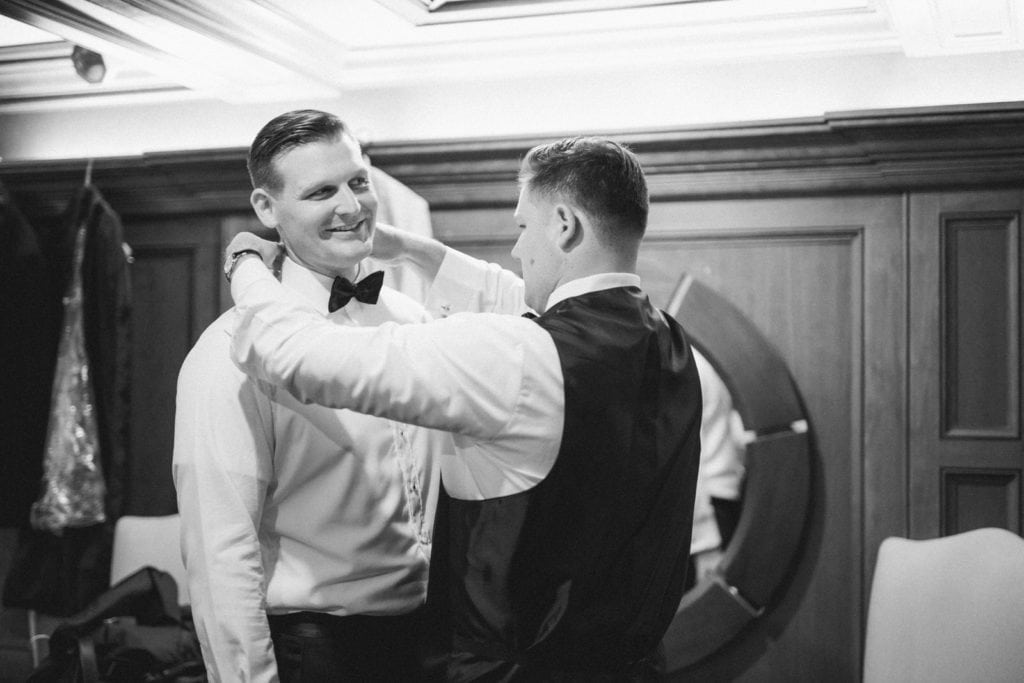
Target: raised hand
245	241
389	243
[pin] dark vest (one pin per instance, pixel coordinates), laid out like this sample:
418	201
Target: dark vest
584	571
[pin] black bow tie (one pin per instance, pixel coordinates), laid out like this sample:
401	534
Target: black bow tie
366	290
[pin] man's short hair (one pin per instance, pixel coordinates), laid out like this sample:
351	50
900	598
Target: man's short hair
285	132
602	177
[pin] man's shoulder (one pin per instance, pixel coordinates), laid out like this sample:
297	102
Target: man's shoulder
218	332
213	346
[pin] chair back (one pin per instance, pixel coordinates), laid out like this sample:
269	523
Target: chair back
947	609
149	541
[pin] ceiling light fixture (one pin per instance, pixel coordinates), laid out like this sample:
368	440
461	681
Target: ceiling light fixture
88	64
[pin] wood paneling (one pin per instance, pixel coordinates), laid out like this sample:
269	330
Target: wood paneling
838	153
965	444
980	331
175	296
978	498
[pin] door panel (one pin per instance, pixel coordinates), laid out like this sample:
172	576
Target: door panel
175	291
965	362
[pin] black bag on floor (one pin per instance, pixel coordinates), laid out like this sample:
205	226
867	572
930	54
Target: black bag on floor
133	633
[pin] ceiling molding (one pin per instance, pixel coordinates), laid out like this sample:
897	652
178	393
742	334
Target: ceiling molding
840	153
241	51
434	12
930	28
234	50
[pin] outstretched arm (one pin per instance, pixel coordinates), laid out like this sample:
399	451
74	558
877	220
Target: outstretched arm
457	282
472	374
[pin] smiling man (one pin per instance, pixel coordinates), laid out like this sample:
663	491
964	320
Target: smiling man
305	530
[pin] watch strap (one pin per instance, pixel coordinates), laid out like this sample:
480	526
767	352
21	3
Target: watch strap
229	264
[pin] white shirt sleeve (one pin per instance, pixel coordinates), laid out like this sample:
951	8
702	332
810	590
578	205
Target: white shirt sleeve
221	466
481	376
721	456
467	284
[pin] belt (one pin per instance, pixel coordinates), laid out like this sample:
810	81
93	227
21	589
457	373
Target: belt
323	625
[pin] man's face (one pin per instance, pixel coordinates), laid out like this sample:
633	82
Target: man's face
325	209
537	247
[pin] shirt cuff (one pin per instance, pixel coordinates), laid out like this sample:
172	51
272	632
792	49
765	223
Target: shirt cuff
456	282
458	268
247	272
464	283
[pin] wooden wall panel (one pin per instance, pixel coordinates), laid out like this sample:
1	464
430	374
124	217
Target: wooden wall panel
965	442
978	498
980	331
162	318
175	296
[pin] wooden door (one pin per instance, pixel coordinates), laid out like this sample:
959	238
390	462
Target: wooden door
824	280
965	362
175	294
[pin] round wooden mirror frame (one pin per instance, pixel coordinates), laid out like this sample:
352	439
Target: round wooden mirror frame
776	493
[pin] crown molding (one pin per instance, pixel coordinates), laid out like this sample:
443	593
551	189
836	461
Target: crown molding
433	12
846	152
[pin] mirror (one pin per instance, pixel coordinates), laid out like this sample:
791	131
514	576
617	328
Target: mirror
776	490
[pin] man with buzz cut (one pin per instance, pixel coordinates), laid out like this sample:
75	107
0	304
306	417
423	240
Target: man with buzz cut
306	531
570	495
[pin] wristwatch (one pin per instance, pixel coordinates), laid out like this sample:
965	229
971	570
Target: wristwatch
229	263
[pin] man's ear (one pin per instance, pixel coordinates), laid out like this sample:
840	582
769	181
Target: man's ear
263	205
570	227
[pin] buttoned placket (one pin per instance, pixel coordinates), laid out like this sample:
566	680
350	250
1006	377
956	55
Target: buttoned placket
400	448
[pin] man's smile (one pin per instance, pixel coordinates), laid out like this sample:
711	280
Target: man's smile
347	227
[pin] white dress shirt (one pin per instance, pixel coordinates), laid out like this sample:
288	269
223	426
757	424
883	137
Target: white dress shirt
289	507
721	456
493	380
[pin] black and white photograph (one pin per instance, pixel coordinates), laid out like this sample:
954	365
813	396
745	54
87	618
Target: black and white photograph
512	341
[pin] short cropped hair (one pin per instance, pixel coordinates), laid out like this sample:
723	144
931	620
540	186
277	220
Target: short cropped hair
602	177
285	132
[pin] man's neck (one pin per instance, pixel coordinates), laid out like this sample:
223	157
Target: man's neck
351	272
597	265
591	283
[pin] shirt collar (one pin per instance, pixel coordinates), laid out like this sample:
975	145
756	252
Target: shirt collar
592	283
313	286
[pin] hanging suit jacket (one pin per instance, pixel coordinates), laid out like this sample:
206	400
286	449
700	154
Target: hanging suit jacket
30	318
61	574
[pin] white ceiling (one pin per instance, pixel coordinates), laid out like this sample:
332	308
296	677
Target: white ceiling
245	51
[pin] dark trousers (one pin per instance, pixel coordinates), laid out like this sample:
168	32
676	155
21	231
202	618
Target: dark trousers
313	647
